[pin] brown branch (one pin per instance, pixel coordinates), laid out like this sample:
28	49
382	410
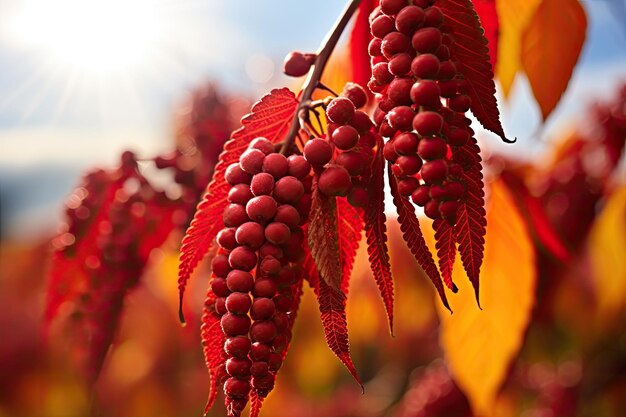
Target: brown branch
313	80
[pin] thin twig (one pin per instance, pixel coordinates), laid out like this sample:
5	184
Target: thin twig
312	81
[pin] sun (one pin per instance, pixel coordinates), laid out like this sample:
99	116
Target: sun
90	36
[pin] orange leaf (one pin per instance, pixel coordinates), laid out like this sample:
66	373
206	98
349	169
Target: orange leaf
514	16
551	44
480	345
607	246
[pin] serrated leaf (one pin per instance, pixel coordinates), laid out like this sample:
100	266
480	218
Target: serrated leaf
212	347
412	234
256	403
270	118
470	227
323	238
376	233
479	346
471	56
446	250
514	15
551	45
349	228
486	11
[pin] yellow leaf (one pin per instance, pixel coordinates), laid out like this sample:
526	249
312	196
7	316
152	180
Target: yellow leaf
551	45
480	345
607	253
513	15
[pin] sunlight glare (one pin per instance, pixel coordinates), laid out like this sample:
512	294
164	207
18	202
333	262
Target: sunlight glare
97	36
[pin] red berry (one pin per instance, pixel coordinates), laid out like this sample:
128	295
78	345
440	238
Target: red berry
263	384
431	209
385	103
250	234
262	184
400	91
239	281
443	53
262	309
270	265
425	66
234	325
277	233
406	143
394	43
238	303
460	103
401	118
262	144
242	258
389	151
261	209
340	110
421	195
237	347
434	172
318	152
251	161
234	215
259	368
355	93
220	306
432	148
236	388
447	89
281	320
280	343
220	266
235	175
238	367
334	181
239	194
410	19
269	249
379	116
367	139
361	122
298	166
283	302
263	331
392	7
353	162
276	164
447	70
427	123
264	287
381	26
426	40
381	73
448	209
400	64
458	137
345	137
226	238
454	190
437	192
373	49
298	64
286	213
408	165
288	190
219	287
259	352
434	16
407	186
425	93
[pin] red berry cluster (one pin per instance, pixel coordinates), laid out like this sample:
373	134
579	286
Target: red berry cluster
419	93
256	270
342	159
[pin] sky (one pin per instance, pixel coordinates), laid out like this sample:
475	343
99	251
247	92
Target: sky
83	80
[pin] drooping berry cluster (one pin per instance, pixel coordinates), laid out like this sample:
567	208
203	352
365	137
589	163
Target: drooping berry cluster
342	159
420	93
256	270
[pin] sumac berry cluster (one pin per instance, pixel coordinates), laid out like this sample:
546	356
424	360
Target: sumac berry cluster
256	269
342	160
421	96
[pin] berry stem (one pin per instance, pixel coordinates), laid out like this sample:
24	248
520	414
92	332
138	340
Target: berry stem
313	80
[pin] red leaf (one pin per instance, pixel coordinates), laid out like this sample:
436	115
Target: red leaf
470	227
270	118
412	234
212	347
349	228
486	10
323	238
359	41
376	233
446	250
471	56
256	402
332	304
